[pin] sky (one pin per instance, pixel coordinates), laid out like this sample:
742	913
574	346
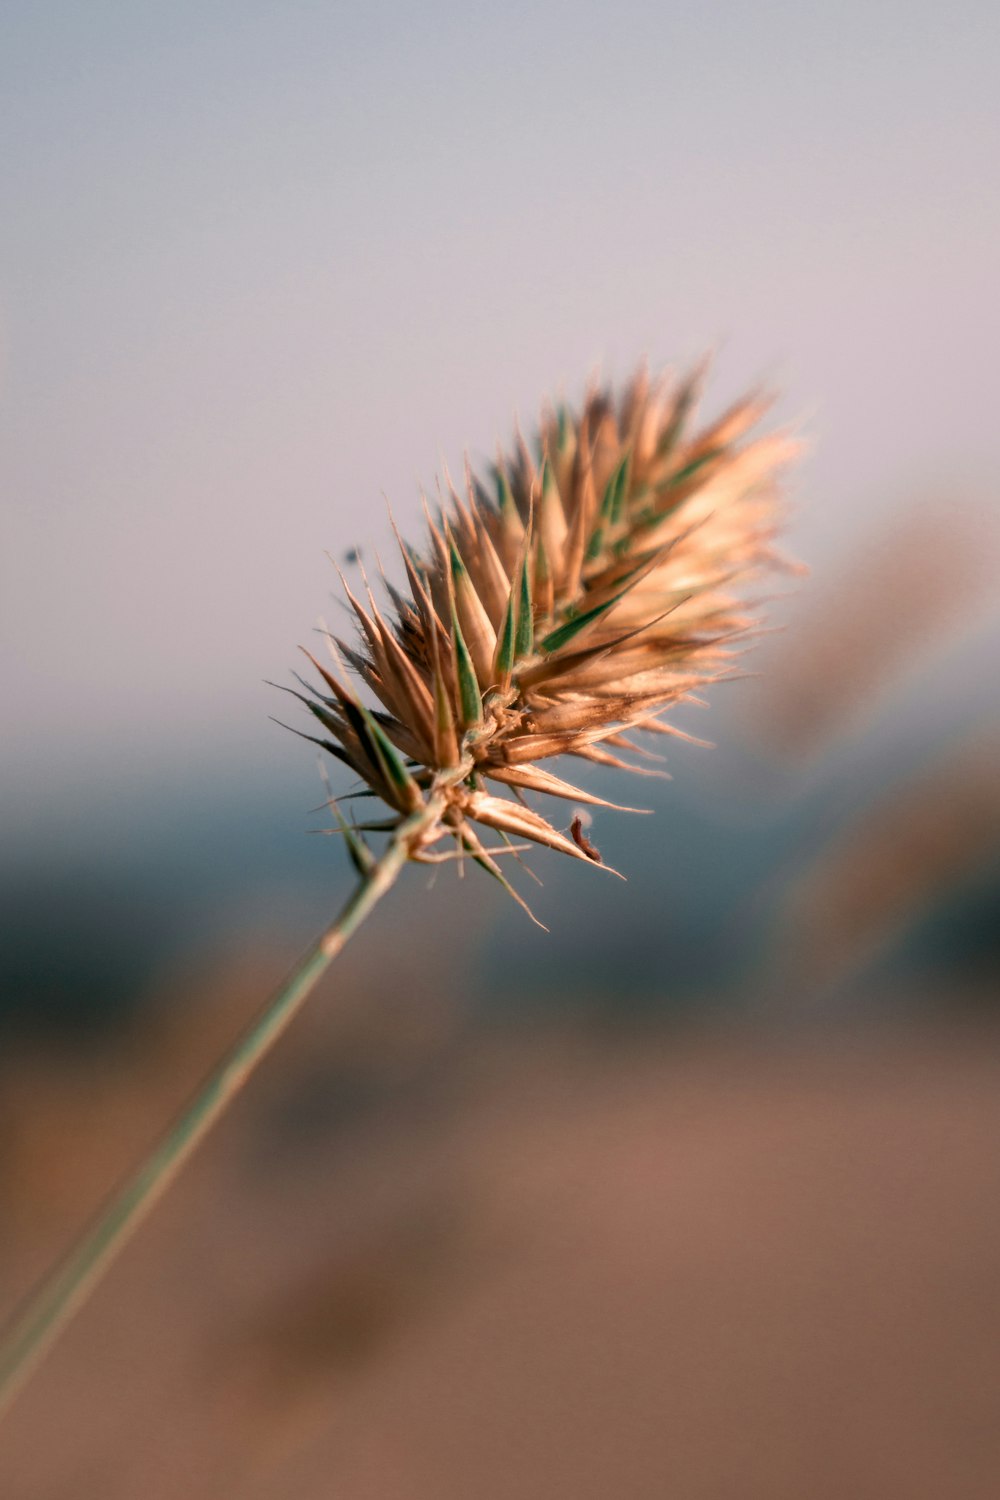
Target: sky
263	265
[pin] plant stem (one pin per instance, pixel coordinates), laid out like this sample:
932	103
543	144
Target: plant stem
66	1288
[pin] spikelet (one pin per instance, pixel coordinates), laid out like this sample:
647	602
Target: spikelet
593	585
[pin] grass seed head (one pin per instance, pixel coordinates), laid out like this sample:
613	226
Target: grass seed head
595	583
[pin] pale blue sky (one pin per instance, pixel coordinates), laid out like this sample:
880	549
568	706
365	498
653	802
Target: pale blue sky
260	263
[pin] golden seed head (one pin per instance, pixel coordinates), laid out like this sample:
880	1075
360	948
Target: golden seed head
593	584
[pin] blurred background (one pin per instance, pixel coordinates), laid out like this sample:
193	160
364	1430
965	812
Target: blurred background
697	1194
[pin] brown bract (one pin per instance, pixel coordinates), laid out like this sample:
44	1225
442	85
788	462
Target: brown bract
596	582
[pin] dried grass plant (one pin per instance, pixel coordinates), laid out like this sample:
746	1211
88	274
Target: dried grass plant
599	581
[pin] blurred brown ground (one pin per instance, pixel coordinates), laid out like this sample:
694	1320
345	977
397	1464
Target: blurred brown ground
417	1263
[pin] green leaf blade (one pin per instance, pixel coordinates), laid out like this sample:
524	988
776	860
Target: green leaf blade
469	698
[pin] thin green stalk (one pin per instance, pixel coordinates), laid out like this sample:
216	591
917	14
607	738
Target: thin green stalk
50	1308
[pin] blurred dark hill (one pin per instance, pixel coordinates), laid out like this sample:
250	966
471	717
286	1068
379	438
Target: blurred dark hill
845	830
88	933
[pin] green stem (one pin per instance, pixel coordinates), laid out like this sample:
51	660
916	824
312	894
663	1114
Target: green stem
50	1308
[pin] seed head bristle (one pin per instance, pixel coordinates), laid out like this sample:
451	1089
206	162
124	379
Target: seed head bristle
557	610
